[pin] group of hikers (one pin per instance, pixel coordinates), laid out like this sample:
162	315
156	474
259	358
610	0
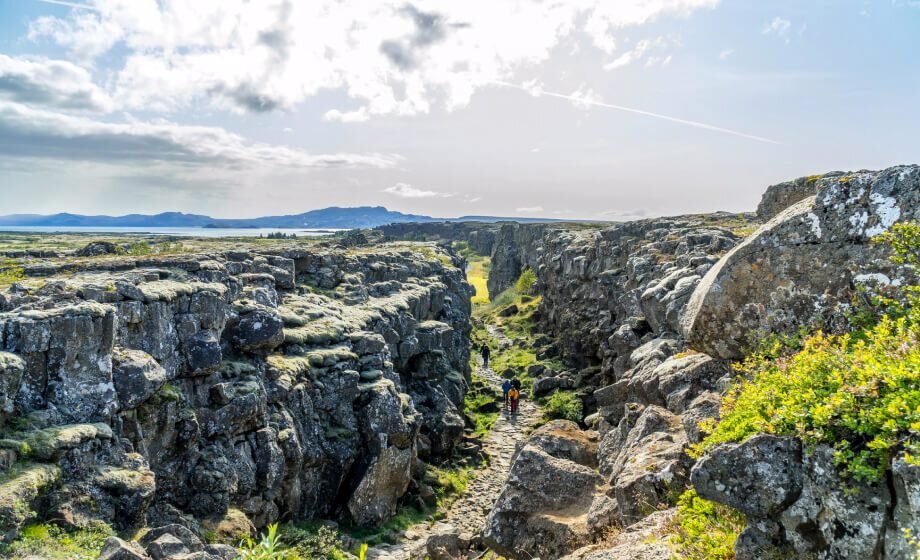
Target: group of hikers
511	388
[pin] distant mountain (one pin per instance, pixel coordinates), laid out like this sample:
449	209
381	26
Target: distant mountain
329	218
325	218
166	219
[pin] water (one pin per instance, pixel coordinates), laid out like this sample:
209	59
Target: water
174	231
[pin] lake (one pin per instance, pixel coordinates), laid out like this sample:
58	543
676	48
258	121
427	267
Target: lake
174	231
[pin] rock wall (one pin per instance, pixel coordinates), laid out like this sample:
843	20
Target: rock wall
245	385
479	235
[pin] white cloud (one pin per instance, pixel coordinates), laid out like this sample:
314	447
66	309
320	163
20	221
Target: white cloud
51	83
725	54
405	190
474	199
45	134
778	26
637	52
529	209
391	57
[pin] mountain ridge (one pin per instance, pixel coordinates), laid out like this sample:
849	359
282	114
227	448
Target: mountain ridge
333	217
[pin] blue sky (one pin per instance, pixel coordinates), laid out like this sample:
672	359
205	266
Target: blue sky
444	108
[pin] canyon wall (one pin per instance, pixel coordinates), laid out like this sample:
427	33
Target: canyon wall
231	388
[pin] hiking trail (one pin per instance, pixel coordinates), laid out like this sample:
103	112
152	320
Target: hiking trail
467	514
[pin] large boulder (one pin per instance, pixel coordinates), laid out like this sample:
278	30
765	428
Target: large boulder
386	480
803	266
543	508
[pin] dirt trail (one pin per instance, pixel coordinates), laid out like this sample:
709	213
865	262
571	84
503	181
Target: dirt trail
468	513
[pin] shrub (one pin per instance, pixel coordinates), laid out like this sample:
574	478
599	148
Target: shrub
858	392
315	542
268	547
11	275
526	281
563	405
705	530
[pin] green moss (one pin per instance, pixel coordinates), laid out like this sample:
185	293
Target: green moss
11	275
168	393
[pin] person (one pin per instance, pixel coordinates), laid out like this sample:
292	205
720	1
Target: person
506	386
516	383
485	355
513	396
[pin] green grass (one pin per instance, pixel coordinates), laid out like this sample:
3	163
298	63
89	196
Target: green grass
478	276
704	530
41	540
480	395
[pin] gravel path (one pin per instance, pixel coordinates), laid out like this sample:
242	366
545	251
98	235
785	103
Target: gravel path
468	513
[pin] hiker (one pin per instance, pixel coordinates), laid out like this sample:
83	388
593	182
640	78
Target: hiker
516	383
506	386
513	396
485	355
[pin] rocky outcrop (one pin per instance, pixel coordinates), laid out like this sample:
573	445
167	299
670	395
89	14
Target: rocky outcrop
479	235
799	505
804	265
544	509
290	383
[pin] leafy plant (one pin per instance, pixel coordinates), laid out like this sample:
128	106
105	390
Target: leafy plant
563	405
858	392
705	530
526	281
268	547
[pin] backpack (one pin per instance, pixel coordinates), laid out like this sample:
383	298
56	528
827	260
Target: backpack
513	394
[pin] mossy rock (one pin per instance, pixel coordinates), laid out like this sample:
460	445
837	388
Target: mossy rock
19	492
230	529
48	443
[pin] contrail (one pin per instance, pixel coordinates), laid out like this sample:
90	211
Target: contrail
576	99
69	4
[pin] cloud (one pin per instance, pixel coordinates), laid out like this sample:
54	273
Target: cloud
635	214
404	190
725	54
389	56
778	26
529	209
638	52
50	83
35	133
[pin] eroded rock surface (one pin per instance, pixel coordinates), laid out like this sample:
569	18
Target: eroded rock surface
280	383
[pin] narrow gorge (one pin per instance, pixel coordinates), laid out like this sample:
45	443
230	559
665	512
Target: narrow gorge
173	404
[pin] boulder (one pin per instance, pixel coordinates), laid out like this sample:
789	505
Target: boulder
386	479
118	549
759	477
543	508
259	330
136	375
803	266
12	368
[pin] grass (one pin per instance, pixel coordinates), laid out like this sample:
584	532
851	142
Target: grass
478	274
41	540
480	396
11	275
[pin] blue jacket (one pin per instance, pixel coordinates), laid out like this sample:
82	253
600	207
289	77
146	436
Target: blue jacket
506	386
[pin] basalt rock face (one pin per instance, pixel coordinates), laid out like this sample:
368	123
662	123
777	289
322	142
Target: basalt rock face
804	265
479	235
798	505
292	383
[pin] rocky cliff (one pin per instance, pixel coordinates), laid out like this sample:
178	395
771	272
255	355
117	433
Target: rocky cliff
229	388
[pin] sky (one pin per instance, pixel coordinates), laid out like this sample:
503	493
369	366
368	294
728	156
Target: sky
589	109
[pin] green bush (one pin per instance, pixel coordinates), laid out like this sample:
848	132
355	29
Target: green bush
563	405
268	547
314	542
858	392
526	281
705	530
